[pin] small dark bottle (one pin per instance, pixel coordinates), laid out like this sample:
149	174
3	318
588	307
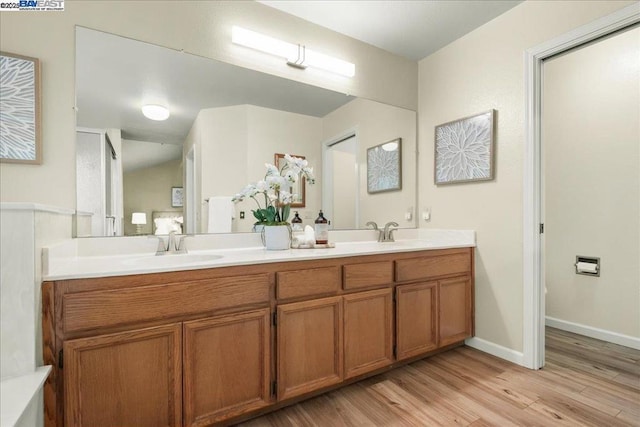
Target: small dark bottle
321	229
296	222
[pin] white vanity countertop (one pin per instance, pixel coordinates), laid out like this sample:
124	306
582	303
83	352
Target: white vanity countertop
69	261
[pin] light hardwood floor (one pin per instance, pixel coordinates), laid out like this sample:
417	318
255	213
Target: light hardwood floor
585	382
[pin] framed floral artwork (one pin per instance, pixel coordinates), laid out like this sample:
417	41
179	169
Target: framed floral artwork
177	197
20	140
464	150
384	167
298	188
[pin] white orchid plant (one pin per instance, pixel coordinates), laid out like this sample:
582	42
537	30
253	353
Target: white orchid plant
274	190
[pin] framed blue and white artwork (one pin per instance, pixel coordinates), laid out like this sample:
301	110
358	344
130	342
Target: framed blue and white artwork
384	167
20	140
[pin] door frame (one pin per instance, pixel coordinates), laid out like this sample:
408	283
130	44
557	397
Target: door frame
327	173
103	192
533	255
190	207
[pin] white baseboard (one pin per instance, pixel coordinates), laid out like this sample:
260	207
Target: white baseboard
589	331
496	350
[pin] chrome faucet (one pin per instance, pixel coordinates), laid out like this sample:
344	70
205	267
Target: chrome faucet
174	246
379	230
388	231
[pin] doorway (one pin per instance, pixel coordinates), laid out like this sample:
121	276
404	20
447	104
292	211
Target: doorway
340	183
533	219
591	188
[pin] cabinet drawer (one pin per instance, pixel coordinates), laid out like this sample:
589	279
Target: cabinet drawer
368	274
103	309
433	266
311	282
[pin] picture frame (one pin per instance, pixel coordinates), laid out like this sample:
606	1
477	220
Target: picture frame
464	149
177	197
299	187
384	167
20	138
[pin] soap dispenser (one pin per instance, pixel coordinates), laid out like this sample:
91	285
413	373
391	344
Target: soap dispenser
296	222
321	229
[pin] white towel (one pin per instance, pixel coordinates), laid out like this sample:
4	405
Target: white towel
221	212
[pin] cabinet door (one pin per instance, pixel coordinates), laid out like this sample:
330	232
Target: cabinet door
416	319
309	346
368	331
455	310
226	366
125	379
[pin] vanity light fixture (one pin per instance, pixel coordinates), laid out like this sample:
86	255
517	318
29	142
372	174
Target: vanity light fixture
296	55
155	112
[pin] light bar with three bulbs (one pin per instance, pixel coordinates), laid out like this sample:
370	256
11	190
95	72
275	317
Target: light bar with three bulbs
296	55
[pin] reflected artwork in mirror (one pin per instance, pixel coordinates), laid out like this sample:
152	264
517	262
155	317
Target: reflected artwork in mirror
384	167
298	188
225	123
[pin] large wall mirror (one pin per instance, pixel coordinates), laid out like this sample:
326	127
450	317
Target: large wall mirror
140	176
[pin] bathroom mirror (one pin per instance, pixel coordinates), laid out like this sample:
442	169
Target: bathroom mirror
225	123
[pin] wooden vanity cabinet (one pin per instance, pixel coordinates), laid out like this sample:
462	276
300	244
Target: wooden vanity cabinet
310	341
455	310
431	315
416	319
436	310
368	331
128	378
214	346
227	366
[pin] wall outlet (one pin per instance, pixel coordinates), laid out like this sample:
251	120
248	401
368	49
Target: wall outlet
426	215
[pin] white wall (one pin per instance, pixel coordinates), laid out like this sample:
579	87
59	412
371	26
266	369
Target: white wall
199	27
480	71
591	146
236	142
222	145
343	212
377	123
272	131
26	229
149	189
17	282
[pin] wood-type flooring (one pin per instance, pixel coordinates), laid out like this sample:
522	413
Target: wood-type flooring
585	382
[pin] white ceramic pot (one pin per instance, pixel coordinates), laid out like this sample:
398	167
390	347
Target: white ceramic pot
277	237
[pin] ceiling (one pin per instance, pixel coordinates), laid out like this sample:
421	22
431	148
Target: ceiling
115	76
413	29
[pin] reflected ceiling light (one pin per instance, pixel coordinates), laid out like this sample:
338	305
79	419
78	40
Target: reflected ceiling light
155	112
296	55
390	146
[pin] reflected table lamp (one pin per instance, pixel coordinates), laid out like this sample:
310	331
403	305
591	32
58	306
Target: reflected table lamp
139	219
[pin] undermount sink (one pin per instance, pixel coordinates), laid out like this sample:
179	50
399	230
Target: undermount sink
169	260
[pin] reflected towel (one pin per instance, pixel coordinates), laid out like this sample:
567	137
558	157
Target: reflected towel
221	212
